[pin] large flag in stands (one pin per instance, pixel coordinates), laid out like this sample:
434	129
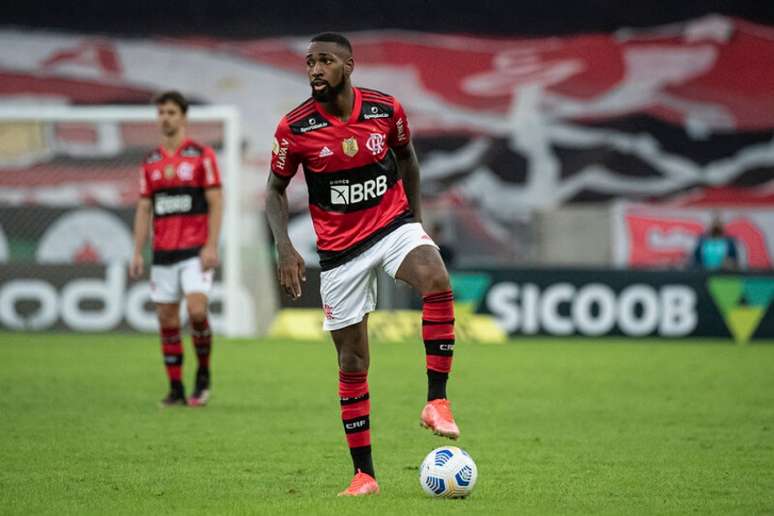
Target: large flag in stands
503	127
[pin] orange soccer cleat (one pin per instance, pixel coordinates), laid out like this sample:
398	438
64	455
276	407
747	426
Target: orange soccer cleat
437	417
362	484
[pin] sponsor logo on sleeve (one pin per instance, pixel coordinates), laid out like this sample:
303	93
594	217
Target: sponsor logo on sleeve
281	156
400	126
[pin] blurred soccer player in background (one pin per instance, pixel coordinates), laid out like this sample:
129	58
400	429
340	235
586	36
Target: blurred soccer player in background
180	191
363	180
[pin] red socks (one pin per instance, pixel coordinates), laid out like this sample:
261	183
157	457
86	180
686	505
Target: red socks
202	341
438	334
172	349
355	412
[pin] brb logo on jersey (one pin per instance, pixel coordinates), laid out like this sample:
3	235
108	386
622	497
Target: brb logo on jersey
344	193
168	204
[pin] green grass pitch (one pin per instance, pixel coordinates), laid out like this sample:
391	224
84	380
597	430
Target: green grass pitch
614	427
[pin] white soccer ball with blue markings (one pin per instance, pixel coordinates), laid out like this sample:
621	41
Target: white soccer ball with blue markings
448	471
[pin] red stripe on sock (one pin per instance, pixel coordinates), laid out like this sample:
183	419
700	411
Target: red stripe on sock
354	385
356	410
438	297
348	390
359	439
171	346
172	349
352	376
438	332
438	363
438	311
174	372
202	341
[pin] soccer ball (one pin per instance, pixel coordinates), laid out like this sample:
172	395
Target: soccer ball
448	471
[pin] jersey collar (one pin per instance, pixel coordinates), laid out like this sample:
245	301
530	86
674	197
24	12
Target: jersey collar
334	120
167	154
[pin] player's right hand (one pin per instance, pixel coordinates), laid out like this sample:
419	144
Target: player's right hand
291	271
137	266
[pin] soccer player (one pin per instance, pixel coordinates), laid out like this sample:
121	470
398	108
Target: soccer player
180	191
363	180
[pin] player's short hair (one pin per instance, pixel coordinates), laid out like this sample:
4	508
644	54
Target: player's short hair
334	37
172	96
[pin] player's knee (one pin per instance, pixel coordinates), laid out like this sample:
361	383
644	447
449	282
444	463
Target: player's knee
169	320
350	361
437	281
197	313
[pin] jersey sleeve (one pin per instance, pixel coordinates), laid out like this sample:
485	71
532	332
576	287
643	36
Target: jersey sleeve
211	177
400	134
284	152
144	186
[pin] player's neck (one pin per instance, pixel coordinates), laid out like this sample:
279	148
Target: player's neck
172	143
341	107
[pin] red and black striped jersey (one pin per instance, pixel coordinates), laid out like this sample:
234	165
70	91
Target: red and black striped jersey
356	195
176	183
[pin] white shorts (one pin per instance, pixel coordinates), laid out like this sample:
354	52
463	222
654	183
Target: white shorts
349	291
166	280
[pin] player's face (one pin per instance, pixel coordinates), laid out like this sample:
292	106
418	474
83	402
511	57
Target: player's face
328	66
171	118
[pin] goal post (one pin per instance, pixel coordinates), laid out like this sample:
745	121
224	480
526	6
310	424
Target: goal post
53	158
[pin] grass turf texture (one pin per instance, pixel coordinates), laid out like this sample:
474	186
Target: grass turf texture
555	427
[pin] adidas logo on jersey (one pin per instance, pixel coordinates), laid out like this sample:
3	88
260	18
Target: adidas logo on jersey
325	152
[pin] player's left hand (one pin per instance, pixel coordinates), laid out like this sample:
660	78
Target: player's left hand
209	257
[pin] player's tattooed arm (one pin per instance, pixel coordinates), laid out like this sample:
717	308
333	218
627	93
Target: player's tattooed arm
408	168
290	266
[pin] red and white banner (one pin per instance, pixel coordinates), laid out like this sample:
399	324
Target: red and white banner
659	236
503	127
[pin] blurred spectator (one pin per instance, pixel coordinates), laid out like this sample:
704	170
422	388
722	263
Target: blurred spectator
715	250
447	251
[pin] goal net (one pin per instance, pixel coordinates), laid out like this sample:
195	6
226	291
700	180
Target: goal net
68	189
